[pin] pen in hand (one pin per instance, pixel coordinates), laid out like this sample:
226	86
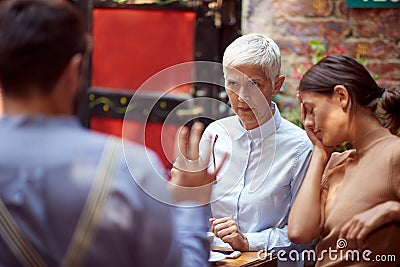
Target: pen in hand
213	150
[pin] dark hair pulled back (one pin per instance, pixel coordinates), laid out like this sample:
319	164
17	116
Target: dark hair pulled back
363	90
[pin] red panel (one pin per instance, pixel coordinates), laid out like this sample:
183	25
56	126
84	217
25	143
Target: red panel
129	47
132	45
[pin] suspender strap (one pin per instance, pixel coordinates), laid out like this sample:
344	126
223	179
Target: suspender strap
85	230
17	242
94	205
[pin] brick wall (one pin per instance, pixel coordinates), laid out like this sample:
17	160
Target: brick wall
373	33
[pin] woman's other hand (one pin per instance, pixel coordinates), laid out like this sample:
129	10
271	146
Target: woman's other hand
228	231
362	224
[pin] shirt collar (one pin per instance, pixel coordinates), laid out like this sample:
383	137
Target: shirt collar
260	133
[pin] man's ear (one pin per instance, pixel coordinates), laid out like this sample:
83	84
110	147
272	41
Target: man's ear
278	84
341	95
72	73
67	87
76	66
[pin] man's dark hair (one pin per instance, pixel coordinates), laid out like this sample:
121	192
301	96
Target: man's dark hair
37	40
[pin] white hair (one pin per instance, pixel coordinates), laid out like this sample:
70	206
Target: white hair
254	49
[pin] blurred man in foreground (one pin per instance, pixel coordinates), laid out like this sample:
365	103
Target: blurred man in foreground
67	195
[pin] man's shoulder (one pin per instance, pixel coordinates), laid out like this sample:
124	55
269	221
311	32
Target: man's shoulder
92	138
134	158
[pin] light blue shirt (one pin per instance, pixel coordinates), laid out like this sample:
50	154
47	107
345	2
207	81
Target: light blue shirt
47	166
259	182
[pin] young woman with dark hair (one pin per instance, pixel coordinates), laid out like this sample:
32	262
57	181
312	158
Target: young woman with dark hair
351	200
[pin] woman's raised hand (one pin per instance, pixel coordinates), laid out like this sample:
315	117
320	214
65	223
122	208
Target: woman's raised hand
191	180
319	147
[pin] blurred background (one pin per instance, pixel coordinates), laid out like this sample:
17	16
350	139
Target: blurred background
133	40
307	30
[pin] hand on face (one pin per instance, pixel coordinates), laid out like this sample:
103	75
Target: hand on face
318	145
362	224
228	231
190	180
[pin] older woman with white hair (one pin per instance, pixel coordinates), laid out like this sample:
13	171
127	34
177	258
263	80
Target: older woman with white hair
268	155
